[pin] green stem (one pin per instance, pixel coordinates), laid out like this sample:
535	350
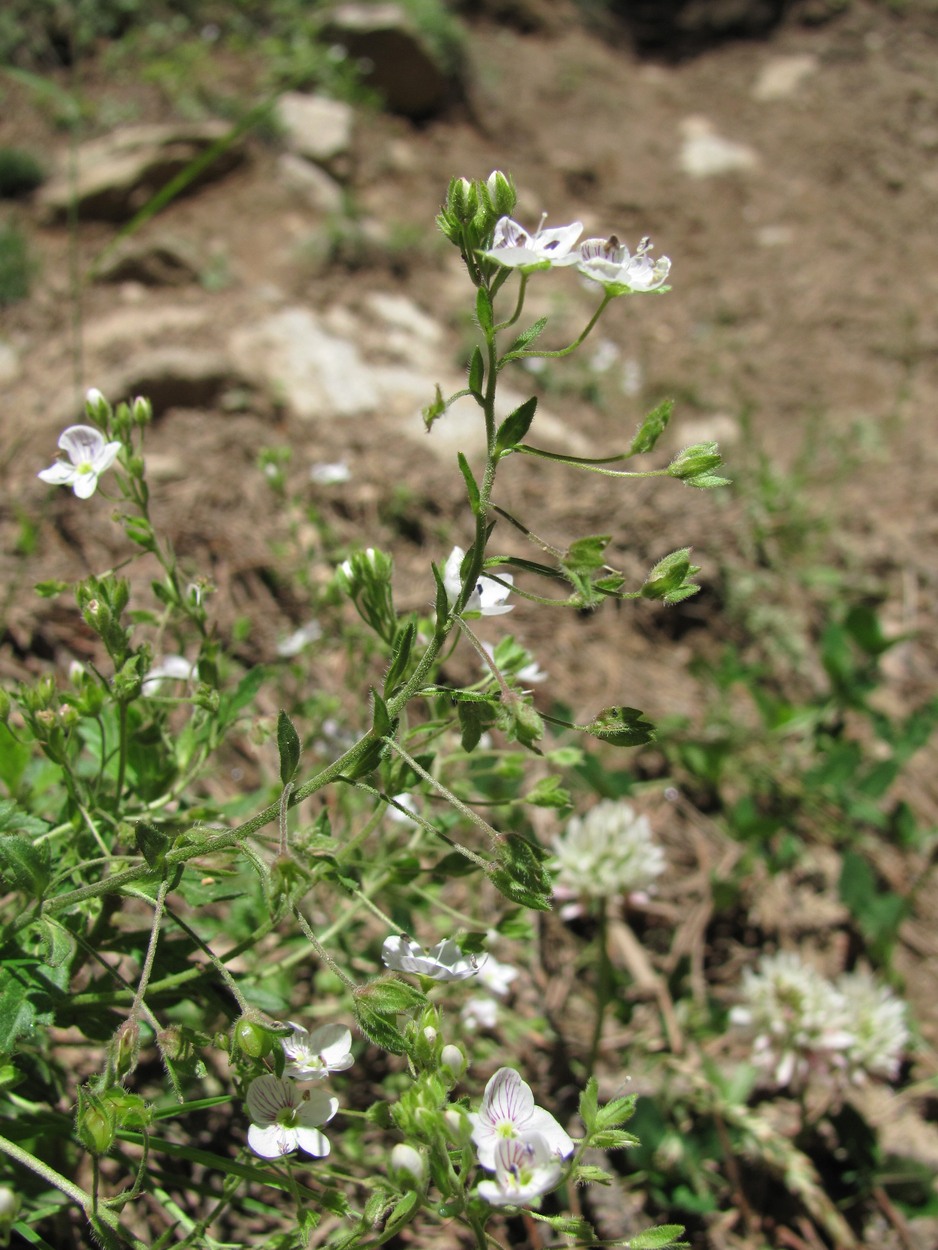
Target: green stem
563	351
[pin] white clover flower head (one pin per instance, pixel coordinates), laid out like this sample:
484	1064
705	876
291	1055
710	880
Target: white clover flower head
443	962
797	1019
508	1111
286	1116
609	262
876	1019
296	642
89	455
608	851
514	248
312	1056
525	1169
488	597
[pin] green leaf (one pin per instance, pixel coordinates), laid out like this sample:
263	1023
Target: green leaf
589	1103
585	555
587	1174
474	719
401	651
513	429
389	995
381	723
668	579
484	311
472	488
656	1238
520	874
476	374
618	1111
621	727
56	944
549	792
652	428
613	1139
380	1029
152	843
527	337
49	590
24	865
288	744
243	694
15	819
441	604
433	411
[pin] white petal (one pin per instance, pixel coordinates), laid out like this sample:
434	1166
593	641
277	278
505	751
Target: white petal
82	443
271	1142
316	1107
312	1142
85	484
58	474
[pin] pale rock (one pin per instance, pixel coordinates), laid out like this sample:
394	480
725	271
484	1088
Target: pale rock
120	172
164	261
781	76
180	377
316	127
704	153
319	191
141	325
9	363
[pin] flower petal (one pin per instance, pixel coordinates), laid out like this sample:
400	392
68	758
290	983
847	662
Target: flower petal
82	443
272	1142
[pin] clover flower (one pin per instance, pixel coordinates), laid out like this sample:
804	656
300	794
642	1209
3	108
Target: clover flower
443	962
312	1056
514	248
876	1020
798	1020
610	850
508	1111
488	598
89	455
525	1169
608	262
285	1116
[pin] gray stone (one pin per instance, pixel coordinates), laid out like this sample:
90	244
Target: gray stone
313	185
155	262
415	76
781	76
316	127
120	172
9	362
704	153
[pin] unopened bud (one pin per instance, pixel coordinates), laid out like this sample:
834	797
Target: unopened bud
95	1122
125	1048
458	1126
501	193
252	1039
452	1057
142	410
407	1166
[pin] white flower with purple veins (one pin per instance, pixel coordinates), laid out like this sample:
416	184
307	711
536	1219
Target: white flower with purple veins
525	1169
488	597
514	248
609	262
89	455
312	1056
285	1116
508	1111
443	962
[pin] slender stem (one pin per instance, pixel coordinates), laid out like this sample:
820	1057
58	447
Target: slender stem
451	798
147	968
563	351
321	950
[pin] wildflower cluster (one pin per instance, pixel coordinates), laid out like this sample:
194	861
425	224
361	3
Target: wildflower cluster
286	1112
805	1026
517	1140
607	852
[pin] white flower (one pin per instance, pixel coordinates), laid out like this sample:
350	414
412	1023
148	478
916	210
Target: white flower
330	474
508	1111
170	668
609	851
525	1169
312	1056
496	977
285	1116
876	1020
294	643
443	962
89	456
489	596
479	1013
514	248
797	1018
608	261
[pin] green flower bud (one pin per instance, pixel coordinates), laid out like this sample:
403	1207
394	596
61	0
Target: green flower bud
9	1209
451	1057
251	1039
125	1048
458	1126
95	1122
501	194
97	407
695	461
141	411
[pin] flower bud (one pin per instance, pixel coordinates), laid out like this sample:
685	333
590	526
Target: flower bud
125	1048
95	1122
452	1057
9	1209
251	1038
458	1126
141	411
500	193
97	406
407	1166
